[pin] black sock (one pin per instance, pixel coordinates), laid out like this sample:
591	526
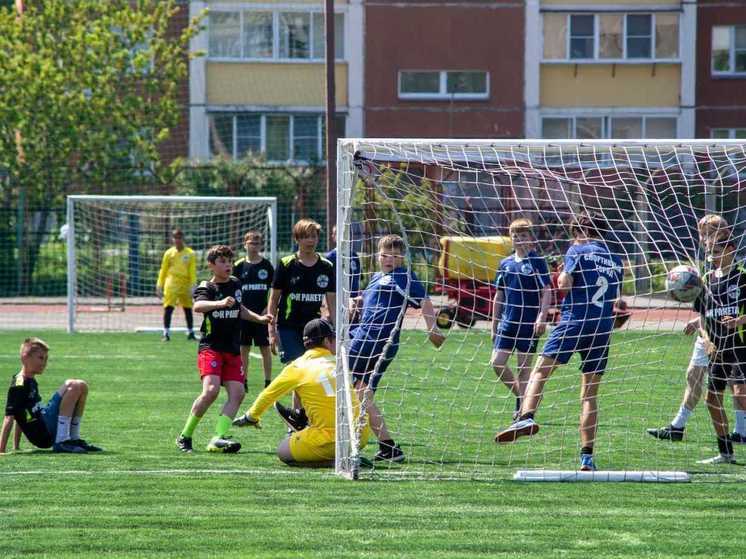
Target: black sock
725	446
517	403
387	444
529	415
586	450
267	382
189	319
167	313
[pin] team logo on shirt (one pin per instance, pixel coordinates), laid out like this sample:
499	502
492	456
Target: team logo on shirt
733	292
526	268
237	295
185	258
262	274
214	364
353	265
322	281
294	280
386	280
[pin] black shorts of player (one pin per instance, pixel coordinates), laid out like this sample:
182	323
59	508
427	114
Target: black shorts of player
253	333
728	367
363	360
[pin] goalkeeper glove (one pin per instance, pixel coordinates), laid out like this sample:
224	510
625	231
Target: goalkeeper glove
246	421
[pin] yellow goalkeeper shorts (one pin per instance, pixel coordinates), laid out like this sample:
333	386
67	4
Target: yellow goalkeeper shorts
177	297
317	445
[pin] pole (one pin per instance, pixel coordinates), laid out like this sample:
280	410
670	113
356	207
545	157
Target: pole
331	132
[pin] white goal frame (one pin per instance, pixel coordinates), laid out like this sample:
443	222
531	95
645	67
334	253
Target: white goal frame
73	200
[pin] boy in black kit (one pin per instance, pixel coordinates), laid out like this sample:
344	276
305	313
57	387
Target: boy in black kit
722	309
255	274
219	357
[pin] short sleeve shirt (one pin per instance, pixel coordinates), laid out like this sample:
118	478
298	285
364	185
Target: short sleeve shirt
303	289
24	404
256	279
724	295
521	280
221	328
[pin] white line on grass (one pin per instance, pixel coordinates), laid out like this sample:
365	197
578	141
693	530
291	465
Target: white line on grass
153	472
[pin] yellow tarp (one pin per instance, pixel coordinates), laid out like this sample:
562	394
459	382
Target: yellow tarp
472	258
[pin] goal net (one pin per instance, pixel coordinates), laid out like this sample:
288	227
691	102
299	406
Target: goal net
452	203
115	245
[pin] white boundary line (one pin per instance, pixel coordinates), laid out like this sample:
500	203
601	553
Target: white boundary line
257	471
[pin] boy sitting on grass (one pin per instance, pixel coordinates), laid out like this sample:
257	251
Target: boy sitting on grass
56	425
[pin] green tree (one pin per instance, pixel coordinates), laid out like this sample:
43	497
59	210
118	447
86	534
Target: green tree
88	90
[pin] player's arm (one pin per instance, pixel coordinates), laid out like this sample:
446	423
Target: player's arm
428	313
203	303
272	306
8	421
285	382
163	274
331	305
246	314
497	309
546	300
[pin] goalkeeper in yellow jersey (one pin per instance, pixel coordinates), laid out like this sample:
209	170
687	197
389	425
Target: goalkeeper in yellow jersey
176	282
311	376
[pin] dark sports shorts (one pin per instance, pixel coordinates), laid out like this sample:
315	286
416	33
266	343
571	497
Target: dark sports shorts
519	338
291	343
228	366
728	367
363	358
253	333
589	338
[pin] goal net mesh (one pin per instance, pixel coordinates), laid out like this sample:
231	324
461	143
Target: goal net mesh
116	244
452	203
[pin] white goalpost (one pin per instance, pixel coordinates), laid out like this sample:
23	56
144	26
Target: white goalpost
451	201
115	245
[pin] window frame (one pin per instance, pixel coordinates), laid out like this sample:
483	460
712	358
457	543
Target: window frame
275	11
596	59
730	131
607	121
442	94
731	72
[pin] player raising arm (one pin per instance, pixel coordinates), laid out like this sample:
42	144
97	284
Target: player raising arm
592	277
375	340
311	376
519	310
55	425
176	280
219	354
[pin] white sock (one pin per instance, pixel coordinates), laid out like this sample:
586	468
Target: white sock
63	428
75	428
741	422
166	332
681	418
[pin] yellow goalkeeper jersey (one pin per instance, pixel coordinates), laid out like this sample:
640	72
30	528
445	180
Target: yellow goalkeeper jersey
312	377
178	268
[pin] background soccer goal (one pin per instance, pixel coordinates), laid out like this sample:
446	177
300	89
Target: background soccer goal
452	202
115	245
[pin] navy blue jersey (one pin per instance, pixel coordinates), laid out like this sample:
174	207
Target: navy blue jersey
355	270
521	281
384	304
597	275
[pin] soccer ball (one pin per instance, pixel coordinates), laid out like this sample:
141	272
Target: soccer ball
683	283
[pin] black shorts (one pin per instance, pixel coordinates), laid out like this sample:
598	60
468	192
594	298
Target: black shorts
728	367
253	333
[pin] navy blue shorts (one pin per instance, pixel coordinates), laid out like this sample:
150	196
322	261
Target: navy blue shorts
51	412
519	338
589	338
291	344
363	358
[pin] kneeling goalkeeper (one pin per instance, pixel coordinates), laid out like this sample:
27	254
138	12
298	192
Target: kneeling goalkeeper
311	376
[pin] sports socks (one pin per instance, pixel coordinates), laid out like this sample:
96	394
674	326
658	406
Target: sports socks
586	450
75	427
223	426
63	429
725	446
189	320
190	426
167	314
679	422
741	422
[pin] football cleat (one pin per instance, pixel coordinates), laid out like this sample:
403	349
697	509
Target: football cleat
223	444
390	453
667	433
267	382
736	437
191	336
520	428
719	459
67	447
184	443
586	463
88	447
165	338
246	421
296	420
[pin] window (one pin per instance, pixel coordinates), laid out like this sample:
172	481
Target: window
728	133
281	137
272	35
611	36
623	127
728	50
457	84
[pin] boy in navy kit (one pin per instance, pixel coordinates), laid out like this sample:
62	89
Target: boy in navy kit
255	274
375	339
219	354
592	277
519	310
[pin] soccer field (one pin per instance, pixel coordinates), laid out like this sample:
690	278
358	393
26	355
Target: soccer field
142	498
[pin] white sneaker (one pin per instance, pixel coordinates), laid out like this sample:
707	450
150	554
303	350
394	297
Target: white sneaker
523	428
719	459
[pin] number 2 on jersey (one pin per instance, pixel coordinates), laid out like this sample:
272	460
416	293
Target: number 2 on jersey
603	285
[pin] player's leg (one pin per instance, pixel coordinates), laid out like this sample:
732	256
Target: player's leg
266	363
738	385
189	317
307	448
499	362
59	413
208	363
718	380
168	312
234	380
588	418
525	361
